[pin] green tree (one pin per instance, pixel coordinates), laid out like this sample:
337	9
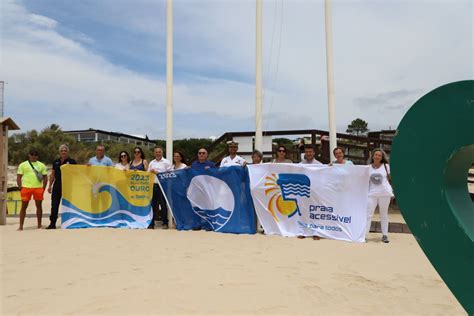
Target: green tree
190	146
288	143
357	127
46	142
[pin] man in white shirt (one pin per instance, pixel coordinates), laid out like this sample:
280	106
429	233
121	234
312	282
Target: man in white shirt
309	153
157	165
233	159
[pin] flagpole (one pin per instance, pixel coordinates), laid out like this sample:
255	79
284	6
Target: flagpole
258	82
169	89
330	78
169	80
258	78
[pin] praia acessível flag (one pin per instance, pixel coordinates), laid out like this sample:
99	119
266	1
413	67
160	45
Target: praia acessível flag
96	196
212	199
325	201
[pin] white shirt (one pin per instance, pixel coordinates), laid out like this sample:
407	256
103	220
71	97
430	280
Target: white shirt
347	162
122	167
181	166
162	165
378	183
314	162
237	161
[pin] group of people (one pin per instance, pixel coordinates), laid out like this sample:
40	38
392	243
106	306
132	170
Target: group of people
32	177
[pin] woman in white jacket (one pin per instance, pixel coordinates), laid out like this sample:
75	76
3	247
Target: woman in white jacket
380	190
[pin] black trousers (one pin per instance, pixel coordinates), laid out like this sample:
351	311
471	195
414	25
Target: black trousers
55	202
158	199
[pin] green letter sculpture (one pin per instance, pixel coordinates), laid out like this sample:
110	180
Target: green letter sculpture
431	155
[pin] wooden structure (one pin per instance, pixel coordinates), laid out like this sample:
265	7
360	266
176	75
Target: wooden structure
6	124
357	148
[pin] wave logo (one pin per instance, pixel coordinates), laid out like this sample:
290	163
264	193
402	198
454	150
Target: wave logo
212	200
284	191
120	212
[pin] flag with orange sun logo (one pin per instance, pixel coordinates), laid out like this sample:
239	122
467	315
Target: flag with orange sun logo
302	200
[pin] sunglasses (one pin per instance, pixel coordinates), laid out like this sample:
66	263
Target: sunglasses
123	156
201	153
281	150
33	154
137	152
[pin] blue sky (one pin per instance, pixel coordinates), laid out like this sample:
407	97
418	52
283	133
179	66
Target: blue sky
101	64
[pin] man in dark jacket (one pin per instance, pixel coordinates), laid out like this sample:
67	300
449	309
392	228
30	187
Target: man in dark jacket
55	183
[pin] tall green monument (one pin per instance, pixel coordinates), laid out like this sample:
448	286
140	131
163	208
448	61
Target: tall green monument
431	155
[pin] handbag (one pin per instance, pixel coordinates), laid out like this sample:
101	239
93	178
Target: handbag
39	176
389	178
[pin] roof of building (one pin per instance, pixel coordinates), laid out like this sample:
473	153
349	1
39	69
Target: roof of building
384	131
110	133
9	122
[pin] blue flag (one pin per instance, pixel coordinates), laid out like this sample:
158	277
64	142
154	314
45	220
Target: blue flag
212	199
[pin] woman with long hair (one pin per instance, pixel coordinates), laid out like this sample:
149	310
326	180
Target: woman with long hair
380	190
178	161
139	162
123	161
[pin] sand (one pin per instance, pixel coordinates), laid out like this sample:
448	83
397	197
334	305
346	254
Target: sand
120	271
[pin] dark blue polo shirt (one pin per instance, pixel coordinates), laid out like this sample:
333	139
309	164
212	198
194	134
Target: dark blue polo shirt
202	165
57	171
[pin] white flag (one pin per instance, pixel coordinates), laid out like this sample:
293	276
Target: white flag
293	200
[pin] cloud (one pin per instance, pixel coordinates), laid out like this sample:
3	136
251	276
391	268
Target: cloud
42	21
59	80
397	107
101	64
386	98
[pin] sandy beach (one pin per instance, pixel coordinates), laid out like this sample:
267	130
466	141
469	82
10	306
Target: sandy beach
120	271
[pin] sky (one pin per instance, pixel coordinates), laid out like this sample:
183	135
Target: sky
102	64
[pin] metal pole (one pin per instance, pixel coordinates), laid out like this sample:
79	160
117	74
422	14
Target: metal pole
258	83
330	78
169	88
258	78
4	172
169	80
2	83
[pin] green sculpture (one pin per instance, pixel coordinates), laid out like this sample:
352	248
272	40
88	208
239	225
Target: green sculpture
431	155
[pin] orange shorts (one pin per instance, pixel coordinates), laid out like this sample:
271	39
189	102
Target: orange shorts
37	194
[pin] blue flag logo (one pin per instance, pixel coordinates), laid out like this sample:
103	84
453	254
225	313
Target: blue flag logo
211	199
214	199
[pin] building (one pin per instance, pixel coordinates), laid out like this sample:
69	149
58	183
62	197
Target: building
98	136
383	135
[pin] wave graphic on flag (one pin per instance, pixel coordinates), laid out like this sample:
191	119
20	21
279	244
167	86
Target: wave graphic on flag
290	189
217	218
120	213
294	184
284	190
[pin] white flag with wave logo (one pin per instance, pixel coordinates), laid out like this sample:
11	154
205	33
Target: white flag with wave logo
302	200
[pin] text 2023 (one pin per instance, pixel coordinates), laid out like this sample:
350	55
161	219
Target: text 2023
139	177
